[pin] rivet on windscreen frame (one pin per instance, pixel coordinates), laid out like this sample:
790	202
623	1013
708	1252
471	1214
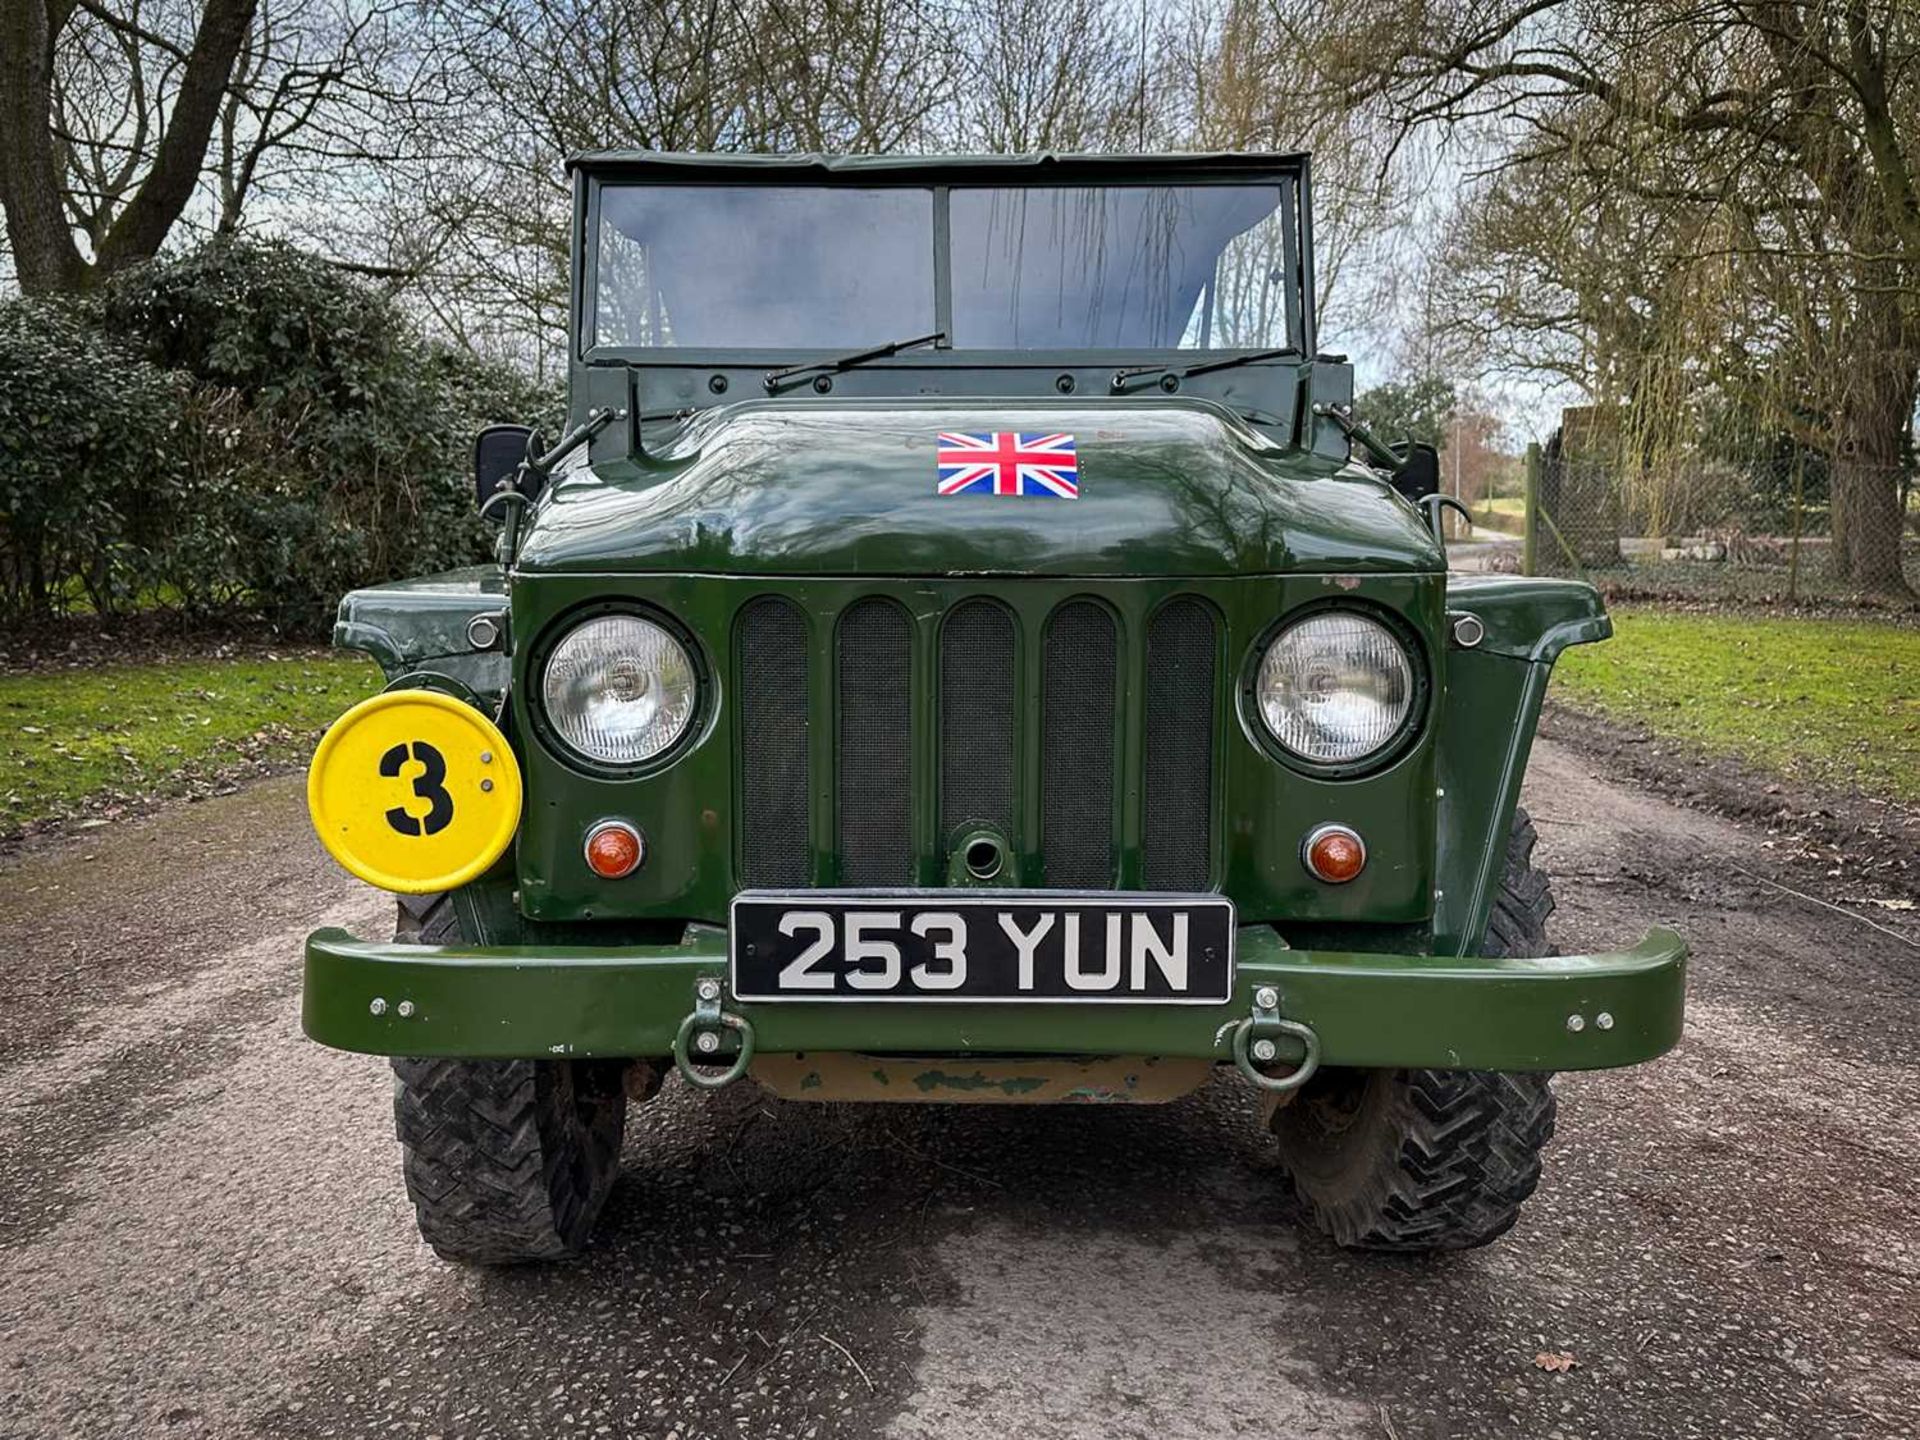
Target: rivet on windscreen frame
822	384
717	383
1169	383
1063	382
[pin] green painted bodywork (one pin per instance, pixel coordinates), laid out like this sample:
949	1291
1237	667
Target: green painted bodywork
1231	490
1170	486
687	808
1369	1010
415	627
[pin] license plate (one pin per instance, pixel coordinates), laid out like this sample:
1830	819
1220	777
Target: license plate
983	945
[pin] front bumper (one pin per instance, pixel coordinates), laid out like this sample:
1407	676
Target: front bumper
1563	1012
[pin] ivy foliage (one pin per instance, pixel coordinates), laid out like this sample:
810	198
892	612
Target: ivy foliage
242	427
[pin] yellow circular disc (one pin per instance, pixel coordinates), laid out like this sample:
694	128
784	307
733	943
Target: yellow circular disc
414	791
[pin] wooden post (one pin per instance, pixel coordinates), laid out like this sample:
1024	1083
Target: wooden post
1530	511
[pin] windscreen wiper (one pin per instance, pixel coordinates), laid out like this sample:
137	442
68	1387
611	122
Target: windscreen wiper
1122	378
776	378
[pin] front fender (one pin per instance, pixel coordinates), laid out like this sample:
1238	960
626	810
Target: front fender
415	626
1487	721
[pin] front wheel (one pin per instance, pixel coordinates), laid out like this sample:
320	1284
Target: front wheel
505	1160
1420	1160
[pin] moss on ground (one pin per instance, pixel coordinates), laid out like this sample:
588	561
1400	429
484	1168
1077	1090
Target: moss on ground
88	740
1825	702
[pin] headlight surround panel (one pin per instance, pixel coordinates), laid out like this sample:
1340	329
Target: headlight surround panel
1410	677
645	662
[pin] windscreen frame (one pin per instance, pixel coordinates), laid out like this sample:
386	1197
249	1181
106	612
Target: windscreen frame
1290	173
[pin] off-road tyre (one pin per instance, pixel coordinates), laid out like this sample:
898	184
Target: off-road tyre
1423	1160
506	1161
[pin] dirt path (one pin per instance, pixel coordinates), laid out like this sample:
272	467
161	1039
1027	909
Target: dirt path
202	1230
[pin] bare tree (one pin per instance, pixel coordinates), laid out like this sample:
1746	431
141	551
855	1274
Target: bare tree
1051	75
57	178
1777	138
121	120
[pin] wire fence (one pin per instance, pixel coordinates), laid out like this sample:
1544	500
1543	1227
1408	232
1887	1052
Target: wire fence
1760	532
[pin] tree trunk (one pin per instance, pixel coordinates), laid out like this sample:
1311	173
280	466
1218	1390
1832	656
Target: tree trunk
1874	414
44	255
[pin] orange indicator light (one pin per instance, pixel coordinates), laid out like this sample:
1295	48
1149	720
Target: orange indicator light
1334	853
614	849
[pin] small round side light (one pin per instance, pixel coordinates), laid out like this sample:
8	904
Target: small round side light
614	849
1333	854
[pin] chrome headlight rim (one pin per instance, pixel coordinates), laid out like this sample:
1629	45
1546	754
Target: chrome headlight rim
547	729
1386	754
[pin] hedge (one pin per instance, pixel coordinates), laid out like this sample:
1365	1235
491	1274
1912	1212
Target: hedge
241	428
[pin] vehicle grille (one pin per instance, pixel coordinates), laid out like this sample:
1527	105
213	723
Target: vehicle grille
1076	747
874	753
773	744
912	772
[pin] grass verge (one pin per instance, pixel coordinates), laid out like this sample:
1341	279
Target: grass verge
95	740
1822	702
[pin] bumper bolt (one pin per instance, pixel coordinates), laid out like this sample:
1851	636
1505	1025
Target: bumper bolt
1267	998
1604	1020
404	1009
706	1042
708	989
1264	1050
377	1006
1576	1023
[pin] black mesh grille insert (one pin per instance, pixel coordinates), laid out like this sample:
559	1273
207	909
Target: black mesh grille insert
773	744
1177	826
976	718
1076	751
875	742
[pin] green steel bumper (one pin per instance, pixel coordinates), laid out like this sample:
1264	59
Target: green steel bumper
1565	1012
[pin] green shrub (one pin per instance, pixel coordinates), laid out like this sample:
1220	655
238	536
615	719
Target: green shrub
92	475
240	427
348	439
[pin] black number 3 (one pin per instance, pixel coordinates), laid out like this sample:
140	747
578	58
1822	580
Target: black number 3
428	785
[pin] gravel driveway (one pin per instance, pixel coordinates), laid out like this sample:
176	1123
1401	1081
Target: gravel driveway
202	1230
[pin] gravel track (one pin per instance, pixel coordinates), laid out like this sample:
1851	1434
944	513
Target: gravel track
202	1230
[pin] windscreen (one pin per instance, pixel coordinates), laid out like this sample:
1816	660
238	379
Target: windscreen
1043	268
763	267
1118	267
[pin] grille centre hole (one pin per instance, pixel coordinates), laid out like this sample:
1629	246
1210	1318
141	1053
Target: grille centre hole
984	857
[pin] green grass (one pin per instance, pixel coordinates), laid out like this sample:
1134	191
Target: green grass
79	740
1826	702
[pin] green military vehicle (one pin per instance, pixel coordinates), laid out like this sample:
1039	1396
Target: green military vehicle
963	647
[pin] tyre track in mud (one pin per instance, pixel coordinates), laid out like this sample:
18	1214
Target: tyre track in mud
202	1230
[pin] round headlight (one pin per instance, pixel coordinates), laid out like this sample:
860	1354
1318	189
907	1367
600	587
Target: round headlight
1335	687
619	689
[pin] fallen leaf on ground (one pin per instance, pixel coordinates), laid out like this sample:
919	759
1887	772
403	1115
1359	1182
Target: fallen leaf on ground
1558	1362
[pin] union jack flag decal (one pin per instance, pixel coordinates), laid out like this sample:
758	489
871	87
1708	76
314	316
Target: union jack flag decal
1007	462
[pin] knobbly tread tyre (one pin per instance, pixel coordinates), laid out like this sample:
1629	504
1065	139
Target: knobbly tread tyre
1424	1160
505	1160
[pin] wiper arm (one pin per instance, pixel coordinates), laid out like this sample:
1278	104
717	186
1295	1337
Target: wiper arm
776	378
1121	378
